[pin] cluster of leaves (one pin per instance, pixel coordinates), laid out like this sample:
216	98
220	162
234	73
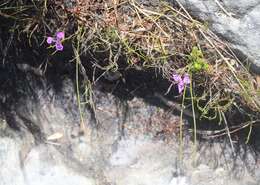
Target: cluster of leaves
198	63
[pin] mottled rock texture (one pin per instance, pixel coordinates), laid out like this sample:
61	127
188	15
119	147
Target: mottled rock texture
236	21
132	141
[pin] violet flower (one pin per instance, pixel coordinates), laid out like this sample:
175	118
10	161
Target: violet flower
49	40
60	35
186	78
181	81
59	46
57	40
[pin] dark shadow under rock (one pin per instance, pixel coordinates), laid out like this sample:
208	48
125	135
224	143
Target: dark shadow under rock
133	141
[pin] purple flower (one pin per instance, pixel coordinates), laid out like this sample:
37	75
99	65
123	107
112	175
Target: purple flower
181	86
186	78
181	81
176	77
59	37
59	46
50	40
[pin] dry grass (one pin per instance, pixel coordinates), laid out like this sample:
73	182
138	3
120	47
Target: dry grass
153	35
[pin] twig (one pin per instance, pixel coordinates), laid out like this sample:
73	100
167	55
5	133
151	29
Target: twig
223	9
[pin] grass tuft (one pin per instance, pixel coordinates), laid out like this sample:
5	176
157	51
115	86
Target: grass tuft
159	36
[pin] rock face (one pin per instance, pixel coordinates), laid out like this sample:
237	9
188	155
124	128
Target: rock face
130	142
237	21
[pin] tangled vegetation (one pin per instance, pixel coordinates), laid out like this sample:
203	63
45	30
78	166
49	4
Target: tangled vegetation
143	35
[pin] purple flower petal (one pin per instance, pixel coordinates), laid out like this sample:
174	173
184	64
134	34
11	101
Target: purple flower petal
186	78
59	46
181	86
50	40
60	35
176	77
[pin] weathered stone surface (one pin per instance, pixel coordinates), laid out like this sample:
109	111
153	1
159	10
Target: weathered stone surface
238	22
133	143
27	164
10	162
131	139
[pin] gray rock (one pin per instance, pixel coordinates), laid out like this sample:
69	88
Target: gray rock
40	165
132	143
10	162
237	21
44	165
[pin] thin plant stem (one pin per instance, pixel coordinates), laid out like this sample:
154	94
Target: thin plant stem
194	116
181	126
